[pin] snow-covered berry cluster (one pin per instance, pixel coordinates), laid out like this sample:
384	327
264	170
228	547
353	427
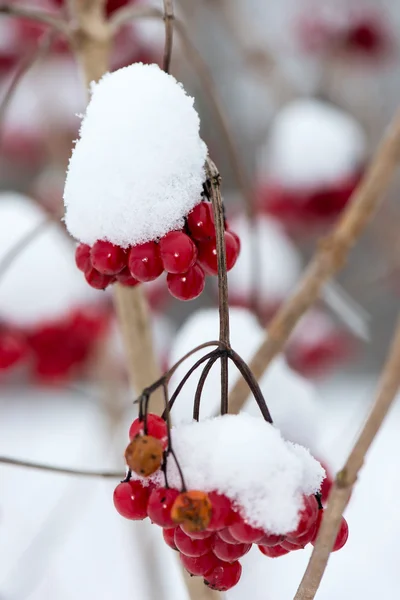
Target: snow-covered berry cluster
187	256
214	521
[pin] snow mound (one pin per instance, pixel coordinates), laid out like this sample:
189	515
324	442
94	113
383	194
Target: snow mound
43	282
312	143
246	459
138	167
291	399
278	263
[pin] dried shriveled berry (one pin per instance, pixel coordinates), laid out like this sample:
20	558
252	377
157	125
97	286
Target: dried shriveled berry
193	509
144	455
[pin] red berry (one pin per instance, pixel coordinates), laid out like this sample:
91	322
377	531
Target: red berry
169	537
222	514
270	539
207	256
342	535
201	222
131	499
245	533
224	576
229	552
226	536
82	257
156	427
200	565
189	546
273	551
291	546
237	238
187	286
196	535
159	506
107	258
125	278
178	252
308	517
13	348
98	280
145	262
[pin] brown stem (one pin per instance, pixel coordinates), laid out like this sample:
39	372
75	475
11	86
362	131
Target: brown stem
330	256
15	462
169	33
32	14
346	478
200	385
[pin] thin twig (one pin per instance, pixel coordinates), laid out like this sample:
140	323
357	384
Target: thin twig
329	258
27	464
39	16
15	250
346	478
169	33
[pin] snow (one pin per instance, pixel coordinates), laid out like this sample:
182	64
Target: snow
312	143
291	399
246	459
138	166
278	264
43	282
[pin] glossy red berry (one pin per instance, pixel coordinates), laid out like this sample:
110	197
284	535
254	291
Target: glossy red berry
131	499
196	535
169	537
273	551
222	514
125	278
178	252
342	536
13	348
224	576
107	258
156	427
145	262
201	222
190	546
159	506
229	552
308	517
237	238
271	539
291	546
82	257
97	280
200	565
187	286
245	533
207	254
226	536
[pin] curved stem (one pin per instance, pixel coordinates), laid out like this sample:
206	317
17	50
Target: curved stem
200	385
33	14
252	383
169	33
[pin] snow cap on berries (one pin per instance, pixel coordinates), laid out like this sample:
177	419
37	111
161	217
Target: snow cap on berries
138	167
43	282
312	143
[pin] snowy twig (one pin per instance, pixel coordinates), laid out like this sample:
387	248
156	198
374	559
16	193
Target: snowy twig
32	14
169	34
330	256
346	478
27	464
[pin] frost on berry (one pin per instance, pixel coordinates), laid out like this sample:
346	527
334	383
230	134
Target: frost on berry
144	455
137	169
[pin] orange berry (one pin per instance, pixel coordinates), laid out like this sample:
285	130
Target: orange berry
144	455
193	509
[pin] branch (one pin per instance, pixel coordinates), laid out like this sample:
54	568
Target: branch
329	258
26	464
346	478
22	244
169	33
39	16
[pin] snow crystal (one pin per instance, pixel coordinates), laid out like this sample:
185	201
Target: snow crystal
278	265
43	282
138	166
291	399
246	459
312	143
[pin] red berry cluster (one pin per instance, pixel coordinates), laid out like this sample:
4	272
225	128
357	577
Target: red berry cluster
206	528
187	257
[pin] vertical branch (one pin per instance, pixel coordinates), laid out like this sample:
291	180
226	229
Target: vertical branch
169	33
346	478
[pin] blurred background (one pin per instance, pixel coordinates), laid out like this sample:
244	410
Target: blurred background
293	98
